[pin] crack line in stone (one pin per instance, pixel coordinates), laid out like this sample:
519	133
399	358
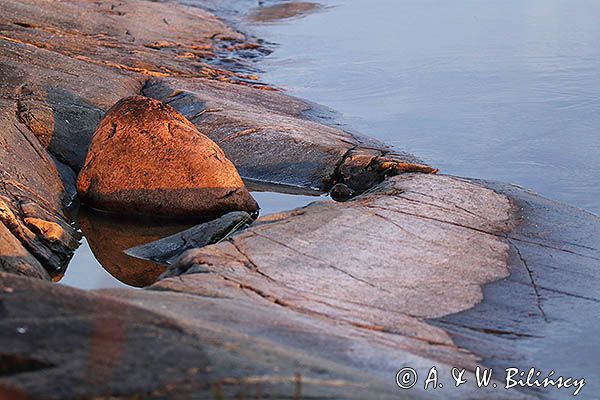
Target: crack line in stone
532	279
323	262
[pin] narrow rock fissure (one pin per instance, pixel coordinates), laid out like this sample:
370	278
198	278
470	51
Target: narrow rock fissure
254	232
490	331
533	283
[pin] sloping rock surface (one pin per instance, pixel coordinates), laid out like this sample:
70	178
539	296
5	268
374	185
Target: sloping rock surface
95	346
270	137
383	261
543	313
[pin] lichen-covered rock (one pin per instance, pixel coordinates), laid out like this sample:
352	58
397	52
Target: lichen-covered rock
147	158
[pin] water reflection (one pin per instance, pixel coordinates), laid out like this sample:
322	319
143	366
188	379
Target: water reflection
107	236
100	261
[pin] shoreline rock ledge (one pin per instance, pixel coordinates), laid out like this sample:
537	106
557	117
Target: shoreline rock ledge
146	158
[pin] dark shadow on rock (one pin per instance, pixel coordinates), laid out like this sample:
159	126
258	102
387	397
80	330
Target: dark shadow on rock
62	121
13	364
264	186
281	11
167	250
166	203
91	347
108	235
75	121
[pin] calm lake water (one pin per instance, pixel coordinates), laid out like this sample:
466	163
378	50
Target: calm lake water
502	90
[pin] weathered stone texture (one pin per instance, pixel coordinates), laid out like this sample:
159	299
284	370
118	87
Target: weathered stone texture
418	246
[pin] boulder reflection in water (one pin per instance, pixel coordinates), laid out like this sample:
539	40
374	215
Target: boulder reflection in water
109	235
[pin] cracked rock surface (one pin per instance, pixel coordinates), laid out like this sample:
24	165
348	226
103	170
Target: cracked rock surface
381	262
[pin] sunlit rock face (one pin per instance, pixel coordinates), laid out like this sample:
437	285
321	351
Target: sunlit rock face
146	158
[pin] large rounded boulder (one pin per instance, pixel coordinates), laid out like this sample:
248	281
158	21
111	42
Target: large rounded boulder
146	158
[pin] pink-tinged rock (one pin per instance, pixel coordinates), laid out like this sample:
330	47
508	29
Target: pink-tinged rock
147	158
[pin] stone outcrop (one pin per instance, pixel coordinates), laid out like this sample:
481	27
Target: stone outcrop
32	202
63	64
381	261
145	158
96	346
395	266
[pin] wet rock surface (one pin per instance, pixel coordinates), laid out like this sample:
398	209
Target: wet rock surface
282	11
542	313
145	158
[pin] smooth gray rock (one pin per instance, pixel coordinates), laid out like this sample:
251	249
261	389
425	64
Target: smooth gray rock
168	249
550	300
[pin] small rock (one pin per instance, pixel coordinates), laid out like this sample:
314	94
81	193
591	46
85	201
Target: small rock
146	158
340	192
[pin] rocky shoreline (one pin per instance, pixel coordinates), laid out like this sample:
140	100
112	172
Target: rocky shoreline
325	301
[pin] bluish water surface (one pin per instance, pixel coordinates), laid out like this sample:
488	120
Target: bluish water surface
505	90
